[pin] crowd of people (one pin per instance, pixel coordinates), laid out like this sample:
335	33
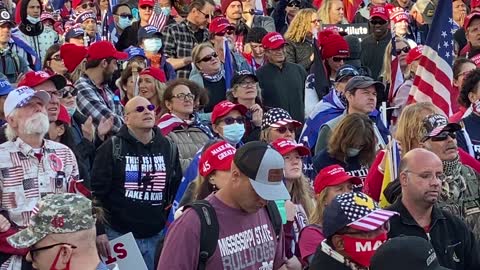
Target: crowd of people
235	134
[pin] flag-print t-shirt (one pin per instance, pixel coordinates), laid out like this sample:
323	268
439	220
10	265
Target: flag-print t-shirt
246	241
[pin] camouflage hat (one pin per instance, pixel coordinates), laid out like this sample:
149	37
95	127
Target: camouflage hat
56	213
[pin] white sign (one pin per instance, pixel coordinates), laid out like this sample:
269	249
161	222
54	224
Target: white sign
125	254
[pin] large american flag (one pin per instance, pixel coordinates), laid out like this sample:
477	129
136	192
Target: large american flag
433	78
158	19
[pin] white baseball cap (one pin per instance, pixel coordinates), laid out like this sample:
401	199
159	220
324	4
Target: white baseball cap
21	96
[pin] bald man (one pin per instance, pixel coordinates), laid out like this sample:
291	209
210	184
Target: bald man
421	177
137	173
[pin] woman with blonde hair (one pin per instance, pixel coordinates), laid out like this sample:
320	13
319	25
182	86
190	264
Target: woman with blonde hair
330	182
277	123
299	37
151	85
332	12
402	48
301	204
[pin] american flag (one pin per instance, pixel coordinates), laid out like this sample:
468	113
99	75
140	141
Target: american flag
158	19
30	188
396	76
156	184
433	78
8	200
12	177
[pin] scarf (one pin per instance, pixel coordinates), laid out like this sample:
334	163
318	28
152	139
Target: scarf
453	186
216	77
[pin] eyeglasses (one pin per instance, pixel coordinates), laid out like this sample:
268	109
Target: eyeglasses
146	7
378	22
247	83
443	136
230	120
140	109
207	16
404	49
129	16
228	32
56	58
88	5
317	21
72	92
184	96
208	58
338	59
32	251
294	4
429	175
283	130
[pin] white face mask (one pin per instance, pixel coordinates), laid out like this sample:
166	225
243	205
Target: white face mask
32	19
152	45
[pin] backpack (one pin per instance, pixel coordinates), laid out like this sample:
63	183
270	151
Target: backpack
209	229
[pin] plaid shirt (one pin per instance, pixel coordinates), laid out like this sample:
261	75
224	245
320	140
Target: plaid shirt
91	103
179	41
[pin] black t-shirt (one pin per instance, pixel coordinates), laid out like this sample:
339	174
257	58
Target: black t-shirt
216	93
472	125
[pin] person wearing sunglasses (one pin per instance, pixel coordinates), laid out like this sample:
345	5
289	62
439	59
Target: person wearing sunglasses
129	36
299	37
277	123
53	63
402	49
375	44
80	6
334	51
122	17
179	122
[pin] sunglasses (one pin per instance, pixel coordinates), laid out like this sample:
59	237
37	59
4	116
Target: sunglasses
208	58
146	7
56	57
404	49
294	4
378	22
184	96
283	130
73	92
338	59
317	21
230	120
226	32
207	16
129	16
443	136
140	109
87	5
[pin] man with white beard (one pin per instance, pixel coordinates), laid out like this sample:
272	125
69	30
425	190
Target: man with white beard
30	166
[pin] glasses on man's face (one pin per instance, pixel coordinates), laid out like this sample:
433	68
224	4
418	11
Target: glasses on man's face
283	130
128	16
140	109
338	59
208	58
230	120
146	7
226	32
88	5
36	250
378	22
207	16
56	58
184	96
404	49
428	176
69	92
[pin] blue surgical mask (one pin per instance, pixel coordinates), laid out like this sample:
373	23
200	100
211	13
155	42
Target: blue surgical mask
233	133
71	110
32	19
124	22
352	152
166	11
152	45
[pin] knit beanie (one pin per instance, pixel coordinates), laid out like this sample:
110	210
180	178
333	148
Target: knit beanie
75	55
226	3
332	44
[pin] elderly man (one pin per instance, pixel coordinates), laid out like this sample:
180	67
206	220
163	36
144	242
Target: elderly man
460	191
136	181
421	179
30	166
61	234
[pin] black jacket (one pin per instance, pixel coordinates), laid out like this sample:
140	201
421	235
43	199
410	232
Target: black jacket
136	191
322	261
129	37
454	244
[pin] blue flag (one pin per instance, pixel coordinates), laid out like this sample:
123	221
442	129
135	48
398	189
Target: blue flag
228	66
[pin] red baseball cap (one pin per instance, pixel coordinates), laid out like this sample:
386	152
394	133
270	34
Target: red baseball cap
469	19
379	11
63	115
34	78
474	4
224	107
273	40
76	3
414	54
149	3
219	156
219	24
331	176
285	146
156	73
104	49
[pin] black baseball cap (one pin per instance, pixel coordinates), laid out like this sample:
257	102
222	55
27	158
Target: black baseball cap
5	17
148	31
346	71
362	82
242	75
406	252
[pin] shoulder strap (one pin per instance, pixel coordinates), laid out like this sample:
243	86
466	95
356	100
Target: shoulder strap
275	217
209	230
116	148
